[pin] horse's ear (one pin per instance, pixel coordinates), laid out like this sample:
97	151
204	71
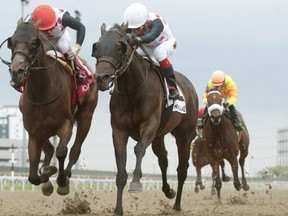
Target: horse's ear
19	22
123	29
94	50
9	43
103	28
37	24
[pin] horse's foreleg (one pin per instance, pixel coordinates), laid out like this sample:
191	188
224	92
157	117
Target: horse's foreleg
183	147
139	151
120	148
217	183
234	165
83	126
159	150
34	151
225	178
61	153
244	181
198	183
46	171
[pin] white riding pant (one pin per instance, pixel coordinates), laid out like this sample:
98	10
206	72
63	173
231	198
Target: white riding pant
160	52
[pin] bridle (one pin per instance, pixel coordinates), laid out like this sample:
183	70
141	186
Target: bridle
31	65
119	70
214	106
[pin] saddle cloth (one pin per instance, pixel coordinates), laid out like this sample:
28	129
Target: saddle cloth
179	104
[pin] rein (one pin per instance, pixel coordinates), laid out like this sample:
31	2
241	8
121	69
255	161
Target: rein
121	70
30	66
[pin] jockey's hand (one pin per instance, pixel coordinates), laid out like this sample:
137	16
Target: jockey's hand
134	40
225	105
74	51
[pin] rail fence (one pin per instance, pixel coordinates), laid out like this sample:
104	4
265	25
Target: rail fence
21	183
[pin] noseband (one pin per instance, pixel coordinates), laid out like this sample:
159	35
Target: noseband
31	65
215	106
123	65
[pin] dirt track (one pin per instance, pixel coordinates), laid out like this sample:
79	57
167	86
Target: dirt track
260	200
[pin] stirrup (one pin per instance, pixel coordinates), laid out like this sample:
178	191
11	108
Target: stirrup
174	94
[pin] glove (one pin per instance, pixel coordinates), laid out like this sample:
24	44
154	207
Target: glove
73	51
134	40
225	104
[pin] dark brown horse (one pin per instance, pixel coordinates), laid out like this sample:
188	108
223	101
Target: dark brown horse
46	107
224	142
201	158
137	104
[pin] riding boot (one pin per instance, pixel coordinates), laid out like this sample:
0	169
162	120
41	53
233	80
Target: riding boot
171	81
201	122
235	120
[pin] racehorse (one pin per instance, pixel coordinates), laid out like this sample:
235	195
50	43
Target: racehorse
201	158
224	142
136	106
46	106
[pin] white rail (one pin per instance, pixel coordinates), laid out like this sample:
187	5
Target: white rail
21	183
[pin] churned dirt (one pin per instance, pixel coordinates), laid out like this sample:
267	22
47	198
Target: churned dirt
264	199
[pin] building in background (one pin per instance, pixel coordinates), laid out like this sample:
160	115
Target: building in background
282	147
12	137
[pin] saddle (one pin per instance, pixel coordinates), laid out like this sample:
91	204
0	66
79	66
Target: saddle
79	89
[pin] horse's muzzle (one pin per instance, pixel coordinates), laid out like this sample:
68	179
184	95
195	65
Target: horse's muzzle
17	76
103	81
216	120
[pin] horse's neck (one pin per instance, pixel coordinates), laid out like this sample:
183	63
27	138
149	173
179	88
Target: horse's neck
134	76
46	81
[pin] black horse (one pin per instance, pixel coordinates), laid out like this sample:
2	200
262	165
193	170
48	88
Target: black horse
137	105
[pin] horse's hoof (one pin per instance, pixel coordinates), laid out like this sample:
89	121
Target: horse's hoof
46	172
196	190
64	190
170	194
226	179
47	188
117	214
246	187
135	187
176	208
202	187
35	181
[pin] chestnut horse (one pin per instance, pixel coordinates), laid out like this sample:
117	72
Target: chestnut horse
224	142
136	106
201	158
46	107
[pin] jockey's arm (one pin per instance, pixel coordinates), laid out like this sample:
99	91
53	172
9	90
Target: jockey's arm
71	22
156	29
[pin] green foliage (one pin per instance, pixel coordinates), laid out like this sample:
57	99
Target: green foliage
274	171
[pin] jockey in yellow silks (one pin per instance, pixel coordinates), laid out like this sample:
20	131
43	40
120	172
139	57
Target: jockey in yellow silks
228	91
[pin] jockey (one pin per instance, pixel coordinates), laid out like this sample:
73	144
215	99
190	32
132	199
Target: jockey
151	30
229	92
54	23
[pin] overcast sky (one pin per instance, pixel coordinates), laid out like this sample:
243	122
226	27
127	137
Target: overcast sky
247	39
